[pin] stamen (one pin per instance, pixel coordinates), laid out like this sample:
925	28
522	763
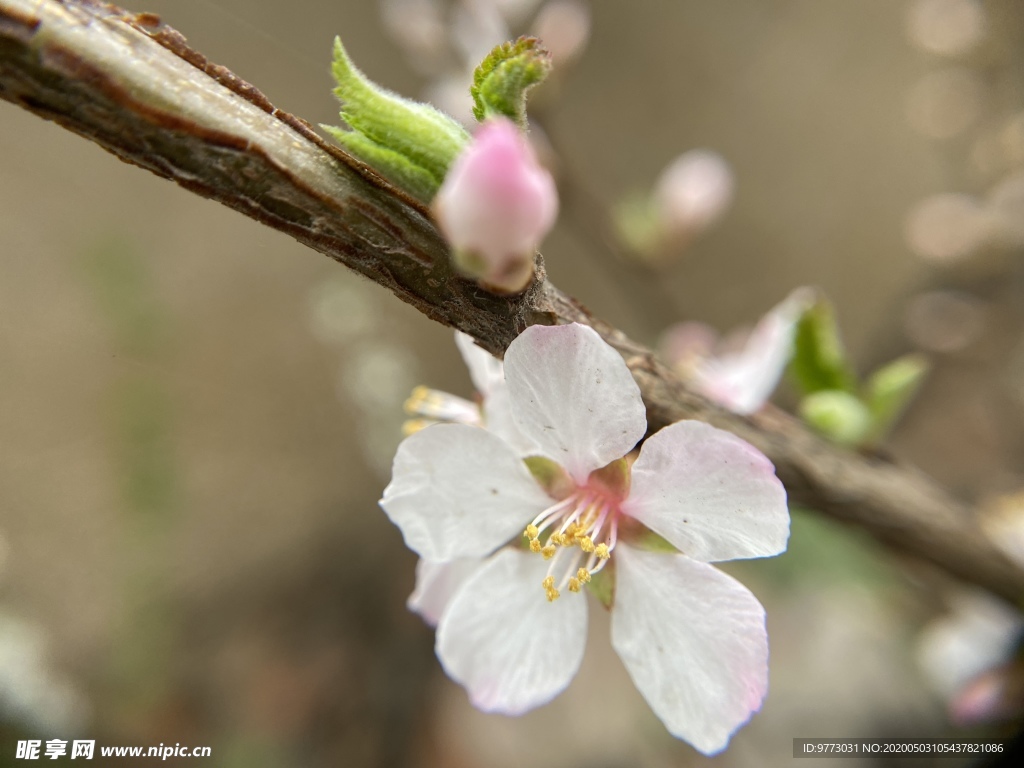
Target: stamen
412	426
582	519
441	406
549	588
549	515
415	402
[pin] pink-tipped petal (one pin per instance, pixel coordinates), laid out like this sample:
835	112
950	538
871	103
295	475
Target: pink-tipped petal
743	380
712	495
501	638
694	641
574	397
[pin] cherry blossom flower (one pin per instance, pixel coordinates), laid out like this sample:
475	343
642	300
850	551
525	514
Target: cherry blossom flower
495	206
509	545
740	372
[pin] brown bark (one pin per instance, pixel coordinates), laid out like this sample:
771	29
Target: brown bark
133	86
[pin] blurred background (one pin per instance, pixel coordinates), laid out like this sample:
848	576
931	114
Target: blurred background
197	415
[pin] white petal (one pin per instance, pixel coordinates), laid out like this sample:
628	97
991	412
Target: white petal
694	641
498	418
574	397
459	491
436	584
484	368
742	381
711	494
503	640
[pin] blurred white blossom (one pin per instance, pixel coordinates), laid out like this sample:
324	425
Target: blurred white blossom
31	693
947	27
977	636
946	102
948	227
740	371
564	28
944	321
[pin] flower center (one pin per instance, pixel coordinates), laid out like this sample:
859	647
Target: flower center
579	534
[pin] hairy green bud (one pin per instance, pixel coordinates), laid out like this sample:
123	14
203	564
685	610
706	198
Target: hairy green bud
503	78
409	143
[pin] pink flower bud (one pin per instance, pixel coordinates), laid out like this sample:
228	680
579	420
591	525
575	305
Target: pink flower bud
693	192
496	204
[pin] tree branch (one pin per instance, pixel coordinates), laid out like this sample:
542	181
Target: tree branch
133	86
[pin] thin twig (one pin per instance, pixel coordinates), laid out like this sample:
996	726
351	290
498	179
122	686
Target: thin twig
132	85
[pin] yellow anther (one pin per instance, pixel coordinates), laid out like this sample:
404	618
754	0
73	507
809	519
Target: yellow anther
532	531
412	426
580	534
549	588
570	530
417	399
574	585
602	551
587	544
535	545
549	551
583	575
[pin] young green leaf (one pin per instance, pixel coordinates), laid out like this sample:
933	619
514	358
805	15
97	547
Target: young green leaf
819	361
890	389
503	78
409	143
838	415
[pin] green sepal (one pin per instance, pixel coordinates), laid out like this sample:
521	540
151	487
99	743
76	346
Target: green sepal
890	389
602	586
653	542
503	78
819	359
409	143
837	415
614	477
551	476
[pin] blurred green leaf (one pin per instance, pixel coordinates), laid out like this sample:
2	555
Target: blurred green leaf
819	360
839	416
891	388
821	552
